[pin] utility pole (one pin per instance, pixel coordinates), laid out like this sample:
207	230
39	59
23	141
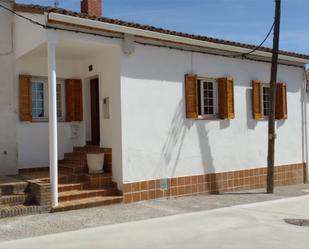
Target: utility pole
56	3
272	113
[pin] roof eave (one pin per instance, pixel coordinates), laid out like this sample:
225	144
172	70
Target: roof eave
73	20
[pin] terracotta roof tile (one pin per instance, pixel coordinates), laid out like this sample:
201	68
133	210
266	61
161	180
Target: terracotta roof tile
42	9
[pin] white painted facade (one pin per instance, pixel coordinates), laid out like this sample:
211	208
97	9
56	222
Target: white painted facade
8	140
158	140
147	129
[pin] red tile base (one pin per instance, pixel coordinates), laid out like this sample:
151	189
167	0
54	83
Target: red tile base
214	183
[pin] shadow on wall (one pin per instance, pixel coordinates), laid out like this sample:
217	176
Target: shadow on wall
251	123
173	145
205	151
175	138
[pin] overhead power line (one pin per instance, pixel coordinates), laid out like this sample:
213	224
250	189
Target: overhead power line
261	44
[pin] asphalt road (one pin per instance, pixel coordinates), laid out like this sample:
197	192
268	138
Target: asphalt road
258	225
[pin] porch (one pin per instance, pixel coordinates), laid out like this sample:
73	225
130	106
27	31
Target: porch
66	86
30	191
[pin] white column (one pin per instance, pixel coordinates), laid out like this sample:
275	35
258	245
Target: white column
53	139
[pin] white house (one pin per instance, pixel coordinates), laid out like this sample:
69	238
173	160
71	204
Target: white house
182	114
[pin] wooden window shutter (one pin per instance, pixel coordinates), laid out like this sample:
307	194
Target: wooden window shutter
256	99
281	101
226	98
191	95
25	99
74	100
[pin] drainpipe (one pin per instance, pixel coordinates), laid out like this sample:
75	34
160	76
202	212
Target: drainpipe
305	123
53	139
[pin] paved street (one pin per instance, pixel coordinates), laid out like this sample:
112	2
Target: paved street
49	223
257	225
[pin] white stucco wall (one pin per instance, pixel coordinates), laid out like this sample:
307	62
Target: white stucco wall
8	145
147	129
32	138
106	65
27	35
159	142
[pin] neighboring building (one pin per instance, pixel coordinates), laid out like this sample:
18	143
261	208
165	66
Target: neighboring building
170	105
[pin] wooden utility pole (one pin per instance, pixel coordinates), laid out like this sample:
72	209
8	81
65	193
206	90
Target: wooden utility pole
272	113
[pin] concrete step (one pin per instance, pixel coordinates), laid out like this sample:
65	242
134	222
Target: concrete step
17	210
70	186
83	155
85	193
11	200
99	180
92	148
87	203
11	185
73	178
74	160
73	168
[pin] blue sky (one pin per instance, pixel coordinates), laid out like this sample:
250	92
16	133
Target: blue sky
237	20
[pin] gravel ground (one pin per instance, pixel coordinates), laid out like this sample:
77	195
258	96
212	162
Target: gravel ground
36	225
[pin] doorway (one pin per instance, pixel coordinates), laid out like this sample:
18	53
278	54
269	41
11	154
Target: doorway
95	111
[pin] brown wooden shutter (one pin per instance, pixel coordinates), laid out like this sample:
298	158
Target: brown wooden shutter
191	96
226	98
281	101
74	100
25	99
256	99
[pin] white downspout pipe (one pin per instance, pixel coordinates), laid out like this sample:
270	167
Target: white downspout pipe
53	139
306	123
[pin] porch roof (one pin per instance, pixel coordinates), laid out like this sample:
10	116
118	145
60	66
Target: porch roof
38	9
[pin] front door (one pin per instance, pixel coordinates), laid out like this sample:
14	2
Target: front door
95	112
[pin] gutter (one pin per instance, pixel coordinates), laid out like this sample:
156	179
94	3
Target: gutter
87	23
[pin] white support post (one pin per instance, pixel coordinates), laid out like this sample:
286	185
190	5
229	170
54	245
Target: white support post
53	139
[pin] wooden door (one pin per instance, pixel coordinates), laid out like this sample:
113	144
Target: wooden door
95	112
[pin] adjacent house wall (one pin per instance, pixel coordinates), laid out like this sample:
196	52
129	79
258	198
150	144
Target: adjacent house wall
32	137
159	142
8	149
28	35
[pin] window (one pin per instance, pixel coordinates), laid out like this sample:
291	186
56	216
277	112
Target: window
266	100
37	99
39	88
208	97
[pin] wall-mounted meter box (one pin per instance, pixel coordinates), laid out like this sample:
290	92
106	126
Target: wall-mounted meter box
74	131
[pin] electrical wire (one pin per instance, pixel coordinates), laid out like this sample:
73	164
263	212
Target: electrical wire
261	44
238	55
45	26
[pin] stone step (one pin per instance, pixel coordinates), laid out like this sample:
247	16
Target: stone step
70	186
13	187
92	148
11	211
73	168
72	178
78	155
82	194
99	180
11	200
73	160
87	203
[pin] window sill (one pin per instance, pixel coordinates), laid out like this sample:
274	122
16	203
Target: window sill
46	121
207	118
